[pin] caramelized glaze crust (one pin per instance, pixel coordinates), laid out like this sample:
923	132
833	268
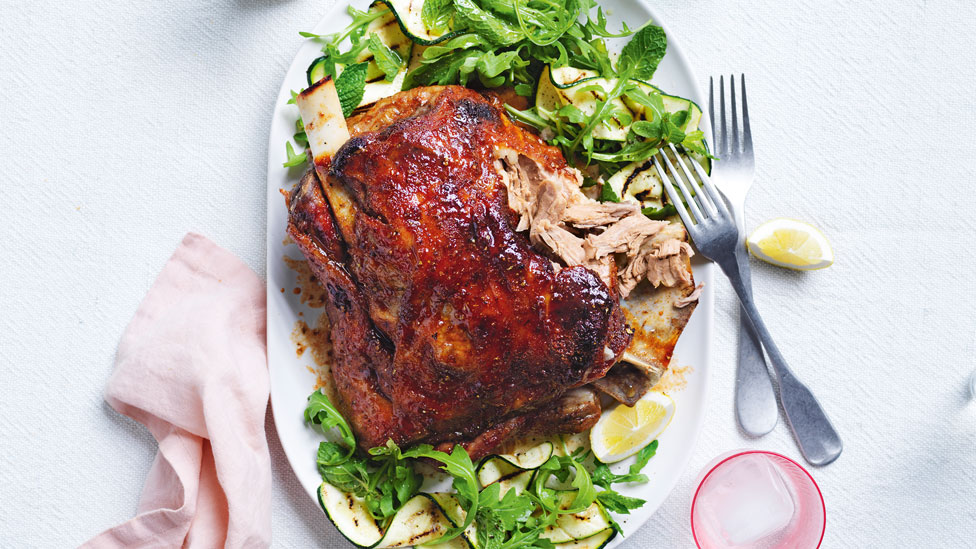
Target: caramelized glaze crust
448	326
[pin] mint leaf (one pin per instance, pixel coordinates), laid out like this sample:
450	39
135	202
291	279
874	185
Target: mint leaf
330	453
348	474
571	113
695	142
493	29
679	118
436	14
507	511
507	521
386	59
294	159
405	482
640	57
647	129
350	86
607	193
395	480
443	70
462	42
670	131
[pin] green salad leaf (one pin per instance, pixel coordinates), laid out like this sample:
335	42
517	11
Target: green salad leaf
561	468
507	521
695	142
641	56
294	159
386	59
617	503
645	455
497	43
495	30
350	87
342	470
663	212
459	465
506	511
585	492
604	478
385	479
436	14
321	413
607	194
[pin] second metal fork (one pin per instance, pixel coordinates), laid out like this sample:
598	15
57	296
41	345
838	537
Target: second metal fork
755	402
712	229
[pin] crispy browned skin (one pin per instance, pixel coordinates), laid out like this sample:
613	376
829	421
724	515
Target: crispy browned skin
311	226
448	326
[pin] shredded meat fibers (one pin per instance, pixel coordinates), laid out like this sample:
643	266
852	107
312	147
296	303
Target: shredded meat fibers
581	231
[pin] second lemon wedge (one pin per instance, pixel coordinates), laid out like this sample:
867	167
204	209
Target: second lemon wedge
624	430
791	244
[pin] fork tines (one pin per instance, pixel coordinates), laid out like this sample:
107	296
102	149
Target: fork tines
697	192
733	146
728	143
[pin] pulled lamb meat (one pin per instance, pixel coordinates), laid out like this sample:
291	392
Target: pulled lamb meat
581	231
592	214
690	298
661	260
624	236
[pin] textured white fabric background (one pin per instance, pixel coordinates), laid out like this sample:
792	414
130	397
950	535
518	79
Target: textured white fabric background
125	124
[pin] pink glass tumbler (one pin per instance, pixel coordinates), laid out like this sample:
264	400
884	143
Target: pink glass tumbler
758	500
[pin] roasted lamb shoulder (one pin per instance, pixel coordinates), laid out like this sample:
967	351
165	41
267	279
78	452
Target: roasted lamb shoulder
449	326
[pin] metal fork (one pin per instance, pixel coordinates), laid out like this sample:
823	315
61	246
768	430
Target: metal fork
755	402
712	229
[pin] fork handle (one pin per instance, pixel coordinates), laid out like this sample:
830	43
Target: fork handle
755	401
818	440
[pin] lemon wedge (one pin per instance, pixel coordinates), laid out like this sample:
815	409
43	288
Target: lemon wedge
791	244
624	430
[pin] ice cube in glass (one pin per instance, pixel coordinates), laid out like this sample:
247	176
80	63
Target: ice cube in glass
747	501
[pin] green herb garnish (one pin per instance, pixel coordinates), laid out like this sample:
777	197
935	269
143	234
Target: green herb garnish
459	465
386	59
321	413
294	159
385	479
350	86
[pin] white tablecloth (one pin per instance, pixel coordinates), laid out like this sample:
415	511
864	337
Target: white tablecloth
125	124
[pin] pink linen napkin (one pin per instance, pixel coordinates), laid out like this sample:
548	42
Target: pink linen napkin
192	367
